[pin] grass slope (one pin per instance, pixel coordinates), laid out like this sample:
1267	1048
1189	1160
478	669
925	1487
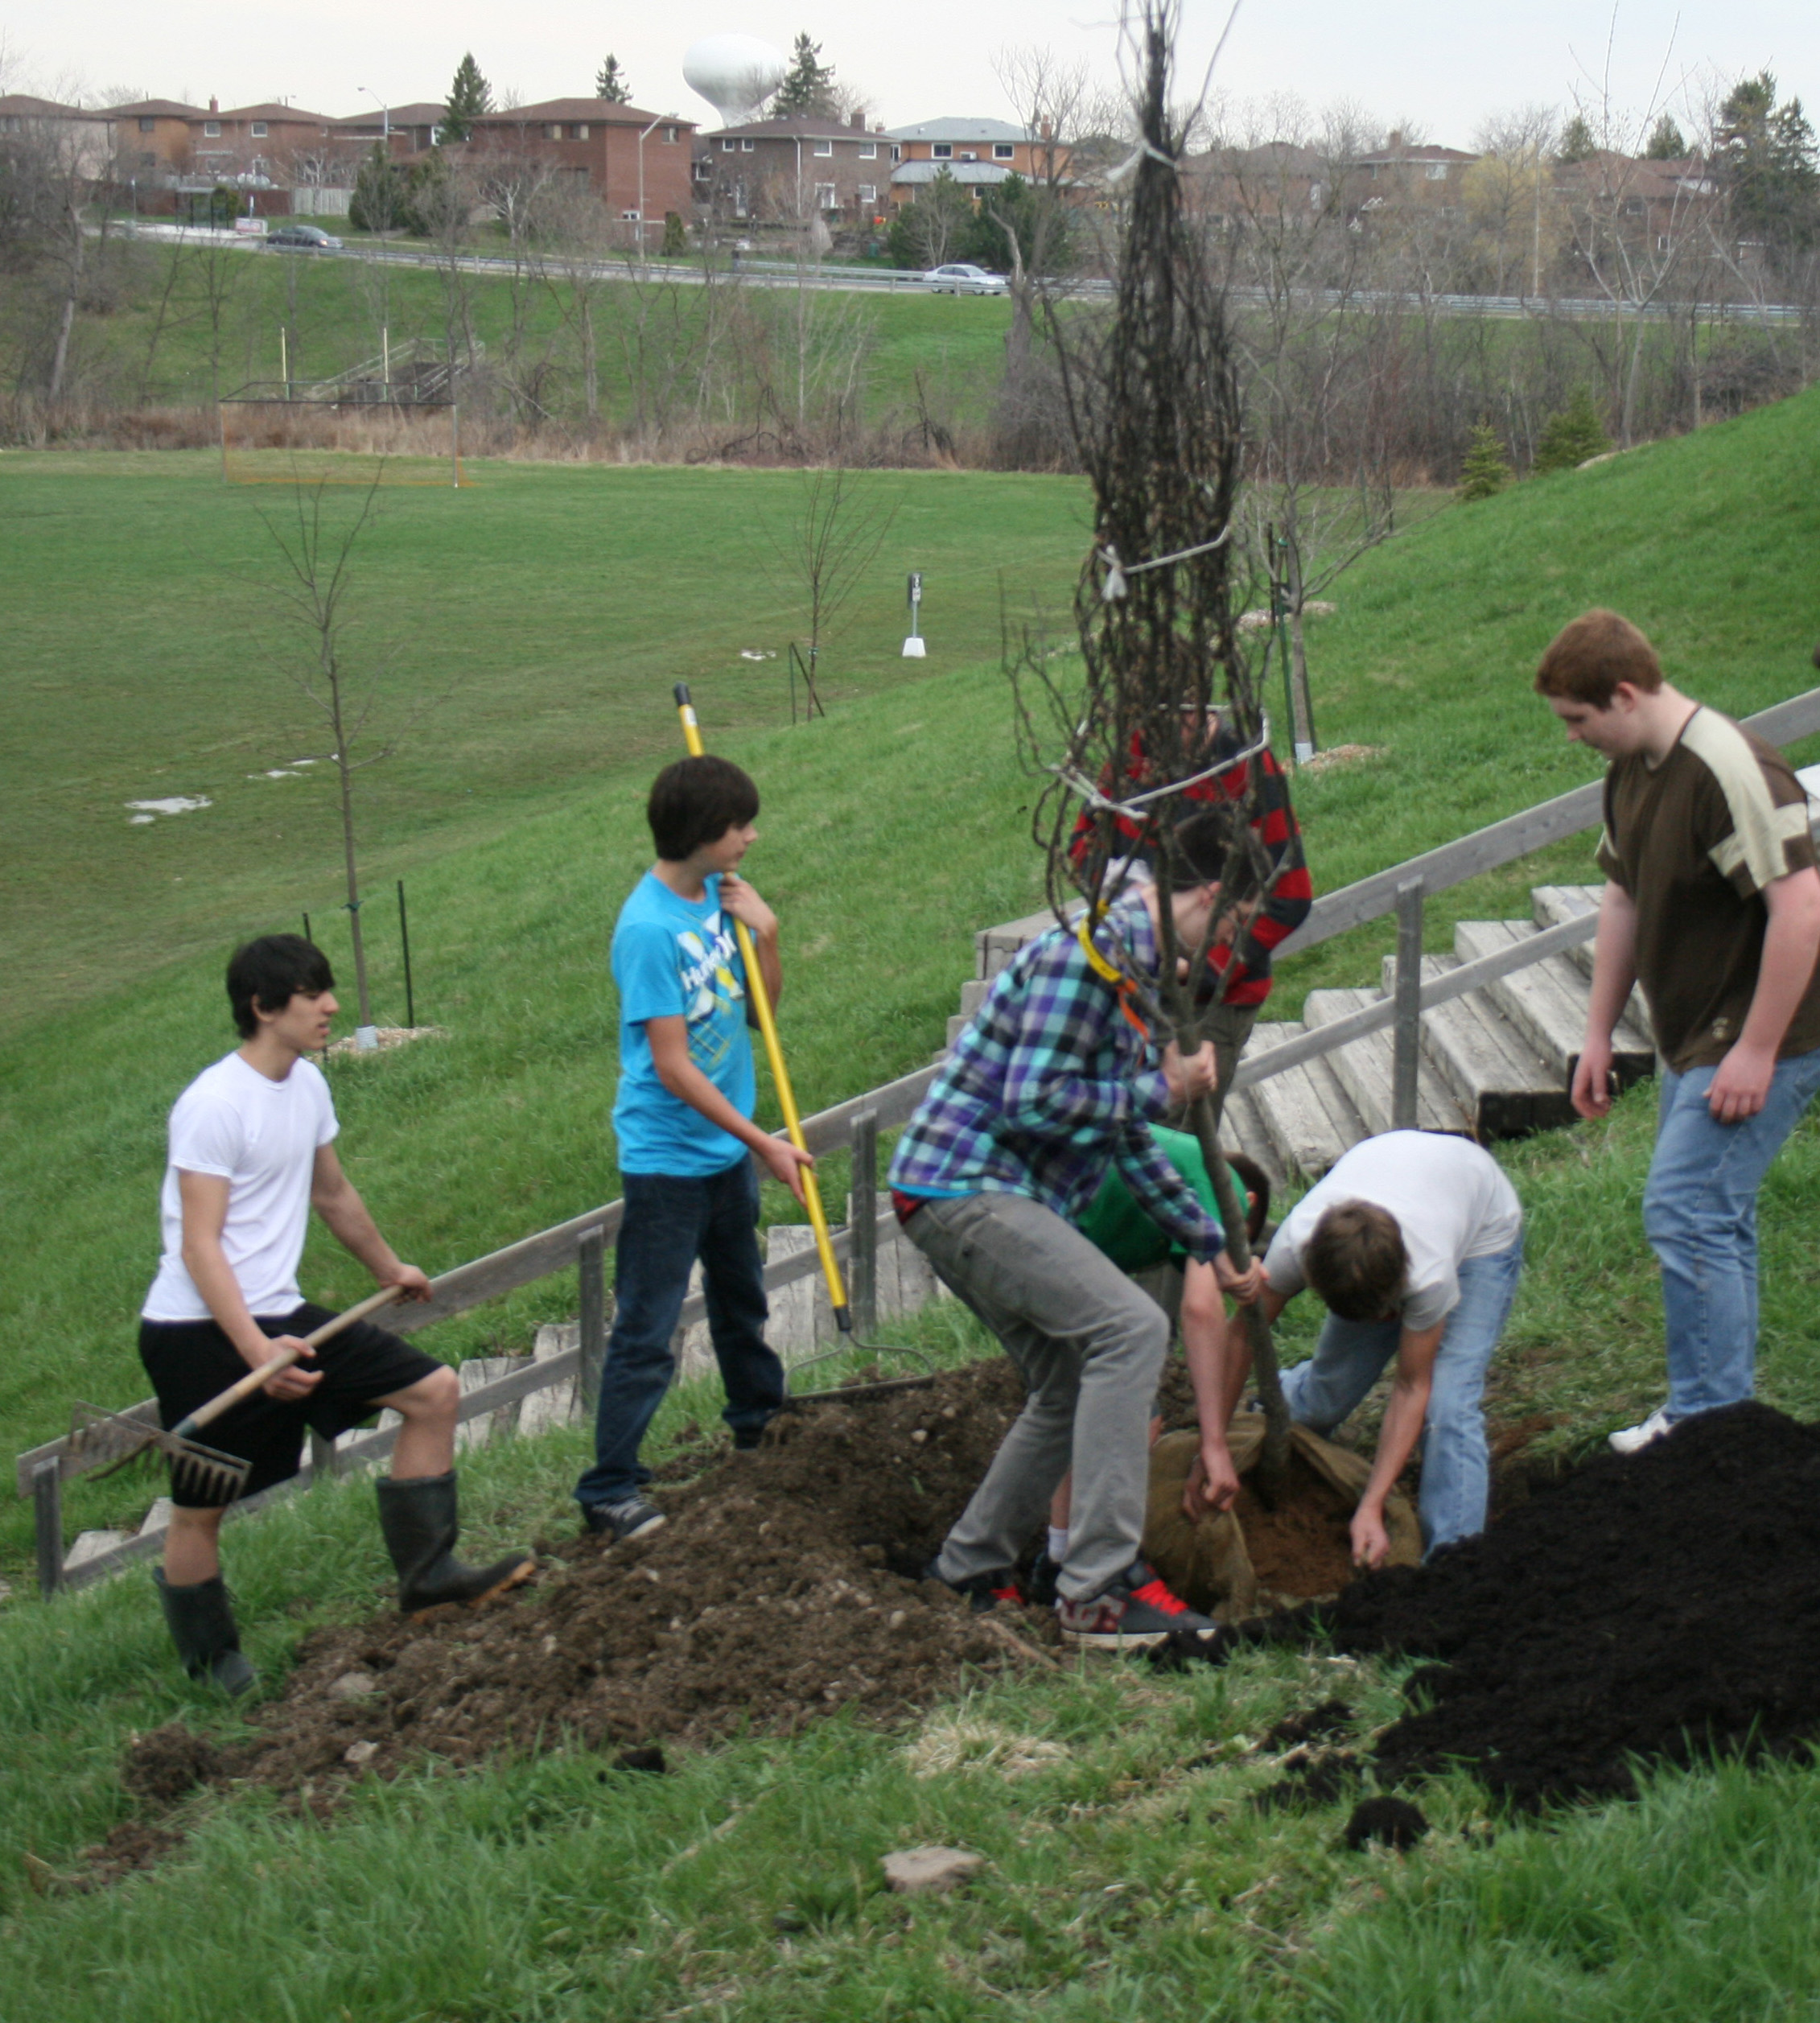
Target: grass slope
1128	1876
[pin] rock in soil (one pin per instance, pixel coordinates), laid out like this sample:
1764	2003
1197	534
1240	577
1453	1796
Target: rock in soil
1659	1605
784	1586
930	1871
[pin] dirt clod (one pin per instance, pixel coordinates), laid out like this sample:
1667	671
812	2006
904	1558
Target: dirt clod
1393	1821
168	1762
1332	1717
650	1759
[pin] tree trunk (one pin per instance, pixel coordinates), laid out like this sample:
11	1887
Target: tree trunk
66	321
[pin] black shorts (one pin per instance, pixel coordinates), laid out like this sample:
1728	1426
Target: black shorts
190	1361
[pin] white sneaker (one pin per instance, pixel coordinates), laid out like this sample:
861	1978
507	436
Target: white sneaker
1629	1439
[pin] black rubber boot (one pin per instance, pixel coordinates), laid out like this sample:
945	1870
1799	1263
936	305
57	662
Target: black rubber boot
201	1625
419	1521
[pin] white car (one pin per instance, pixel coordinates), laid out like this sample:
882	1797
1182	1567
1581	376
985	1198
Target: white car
958	278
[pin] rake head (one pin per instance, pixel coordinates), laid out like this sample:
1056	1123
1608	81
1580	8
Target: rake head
105	1442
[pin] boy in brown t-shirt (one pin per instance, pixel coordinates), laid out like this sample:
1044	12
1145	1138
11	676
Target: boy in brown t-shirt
1712	903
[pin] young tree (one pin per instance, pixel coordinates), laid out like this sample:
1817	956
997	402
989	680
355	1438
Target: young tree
833	538
808	84
610	84
1572	436
1577	143
1153	398
1486	471
470	97
382	192
1667	141
318	561
928	232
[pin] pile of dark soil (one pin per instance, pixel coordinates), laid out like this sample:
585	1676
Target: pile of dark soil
783	1586
1656	1607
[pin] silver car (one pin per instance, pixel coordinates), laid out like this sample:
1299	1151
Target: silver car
302	238
958	278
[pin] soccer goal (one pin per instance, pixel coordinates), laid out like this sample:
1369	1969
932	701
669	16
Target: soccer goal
334	432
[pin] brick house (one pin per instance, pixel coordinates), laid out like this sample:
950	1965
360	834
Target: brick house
789	171
252	143
621	150
152	139
978	154
407	129
88	137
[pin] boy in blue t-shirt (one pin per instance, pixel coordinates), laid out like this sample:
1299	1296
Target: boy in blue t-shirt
683	1121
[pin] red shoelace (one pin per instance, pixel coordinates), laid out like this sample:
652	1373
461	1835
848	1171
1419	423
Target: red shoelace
1154	1595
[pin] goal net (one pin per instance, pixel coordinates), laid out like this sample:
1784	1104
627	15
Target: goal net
277	433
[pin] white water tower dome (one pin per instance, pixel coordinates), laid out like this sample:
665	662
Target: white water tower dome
735	73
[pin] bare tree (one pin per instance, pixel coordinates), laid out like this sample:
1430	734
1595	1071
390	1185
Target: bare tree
319	558
832	538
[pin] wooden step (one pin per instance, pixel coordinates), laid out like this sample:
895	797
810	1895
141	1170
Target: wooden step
1555	903
1309	1119
1366	1067
1506	1088
1547	1002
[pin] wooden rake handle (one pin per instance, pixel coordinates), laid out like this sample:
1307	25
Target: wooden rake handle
258	1379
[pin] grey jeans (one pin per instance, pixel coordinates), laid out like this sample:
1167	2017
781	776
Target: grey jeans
1090	1345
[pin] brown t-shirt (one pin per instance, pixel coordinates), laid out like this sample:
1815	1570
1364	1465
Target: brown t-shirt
1693	841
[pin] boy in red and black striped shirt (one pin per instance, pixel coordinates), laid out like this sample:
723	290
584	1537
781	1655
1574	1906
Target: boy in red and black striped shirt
1241	970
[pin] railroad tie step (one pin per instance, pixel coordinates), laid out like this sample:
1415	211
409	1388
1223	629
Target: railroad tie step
1308	1119
1504	1086
1547	1002
1366	1069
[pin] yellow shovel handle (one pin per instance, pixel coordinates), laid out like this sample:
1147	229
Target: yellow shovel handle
774	1052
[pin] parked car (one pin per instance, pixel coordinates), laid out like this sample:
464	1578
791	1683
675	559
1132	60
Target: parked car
302	238
958	278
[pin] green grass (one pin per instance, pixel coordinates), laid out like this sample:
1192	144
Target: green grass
1126	1876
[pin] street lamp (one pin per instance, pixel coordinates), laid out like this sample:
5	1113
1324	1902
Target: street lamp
642	139
385	115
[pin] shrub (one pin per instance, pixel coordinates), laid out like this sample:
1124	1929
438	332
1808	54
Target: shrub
1486	470
1572	436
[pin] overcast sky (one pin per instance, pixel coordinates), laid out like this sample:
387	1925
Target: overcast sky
1438	66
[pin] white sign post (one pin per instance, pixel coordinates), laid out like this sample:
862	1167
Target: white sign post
913	649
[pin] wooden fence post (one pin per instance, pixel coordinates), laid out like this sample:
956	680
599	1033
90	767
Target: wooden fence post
591	1255
862	1228
48	1512
321	1456
1408	1054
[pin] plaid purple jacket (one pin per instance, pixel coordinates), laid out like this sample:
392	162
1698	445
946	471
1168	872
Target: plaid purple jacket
1049	1085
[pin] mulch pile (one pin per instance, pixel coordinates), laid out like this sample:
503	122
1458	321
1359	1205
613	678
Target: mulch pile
1657	1607
784	1585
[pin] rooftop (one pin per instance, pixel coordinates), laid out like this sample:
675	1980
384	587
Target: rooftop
961	130
604	110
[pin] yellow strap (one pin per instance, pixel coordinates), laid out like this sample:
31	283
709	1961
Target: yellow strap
1083	934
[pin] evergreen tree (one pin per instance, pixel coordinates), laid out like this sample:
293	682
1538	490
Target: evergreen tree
381	193
1486	472
612	84
470	96
1766	158
676	240
1666	143
809	85
1032	214
1572	436
1577	143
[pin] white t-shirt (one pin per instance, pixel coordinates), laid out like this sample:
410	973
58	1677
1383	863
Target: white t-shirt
1451	1202
261	1137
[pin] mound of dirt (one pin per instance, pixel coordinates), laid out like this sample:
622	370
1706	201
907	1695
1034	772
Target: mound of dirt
784	1585
1656	1606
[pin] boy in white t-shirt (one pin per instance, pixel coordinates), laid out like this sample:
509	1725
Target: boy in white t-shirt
1415	1243
251	1153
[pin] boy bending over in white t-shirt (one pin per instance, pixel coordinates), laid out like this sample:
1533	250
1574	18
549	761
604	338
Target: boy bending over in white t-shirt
1414	1241
251	1154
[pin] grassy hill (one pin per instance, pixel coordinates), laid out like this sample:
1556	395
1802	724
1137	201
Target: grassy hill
889	833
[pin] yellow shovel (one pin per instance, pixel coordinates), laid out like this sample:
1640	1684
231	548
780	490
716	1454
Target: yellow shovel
792	1126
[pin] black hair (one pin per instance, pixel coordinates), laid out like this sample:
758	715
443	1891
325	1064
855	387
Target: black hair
696	801
1211	847
270	972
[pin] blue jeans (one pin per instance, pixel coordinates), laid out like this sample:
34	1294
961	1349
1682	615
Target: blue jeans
1699	1213
670	1222
1351	1356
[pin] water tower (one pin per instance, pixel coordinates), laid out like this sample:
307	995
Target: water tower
735	73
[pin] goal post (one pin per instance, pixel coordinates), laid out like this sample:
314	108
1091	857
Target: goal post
284	433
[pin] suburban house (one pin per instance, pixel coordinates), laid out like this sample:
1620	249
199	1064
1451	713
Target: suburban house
787	170
152	140
406	129
637	162
978	154
85	139
253	144
1431	175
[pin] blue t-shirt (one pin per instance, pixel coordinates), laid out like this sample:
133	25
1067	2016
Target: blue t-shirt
676	958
